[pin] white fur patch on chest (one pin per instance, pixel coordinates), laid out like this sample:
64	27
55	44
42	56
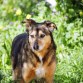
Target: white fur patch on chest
40	71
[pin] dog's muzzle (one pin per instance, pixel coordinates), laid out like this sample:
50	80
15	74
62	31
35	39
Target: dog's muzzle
36	47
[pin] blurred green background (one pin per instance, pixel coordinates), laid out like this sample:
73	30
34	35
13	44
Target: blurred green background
66	14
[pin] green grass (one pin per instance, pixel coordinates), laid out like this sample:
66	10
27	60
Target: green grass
68	37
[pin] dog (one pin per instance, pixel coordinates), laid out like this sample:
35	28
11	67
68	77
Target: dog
33	53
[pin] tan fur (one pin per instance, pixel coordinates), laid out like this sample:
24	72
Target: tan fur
36	63
47	42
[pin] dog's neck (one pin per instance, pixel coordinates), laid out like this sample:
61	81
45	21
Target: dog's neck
43	53
49	54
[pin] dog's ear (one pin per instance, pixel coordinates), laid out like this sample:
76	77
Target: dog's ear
29	23
50	25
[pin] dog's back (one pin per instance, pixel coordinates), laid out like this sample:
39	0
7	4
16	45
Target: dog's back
17	44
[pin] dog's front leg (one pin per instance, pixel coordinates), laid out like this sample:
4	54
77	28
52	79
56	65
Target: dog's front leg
49	80
28	75
50	70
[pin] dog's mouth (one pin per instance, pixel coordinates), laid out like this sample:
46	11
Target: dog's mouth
37	48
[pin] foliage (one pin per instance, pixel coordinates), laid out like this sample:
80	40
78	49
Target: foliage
68	38
70	8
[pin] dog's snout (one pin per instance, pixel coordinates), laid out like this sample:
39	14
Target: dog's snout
36	47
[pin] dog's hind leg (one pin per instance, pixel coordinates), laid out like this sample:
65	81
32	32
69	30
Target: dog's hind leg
17	75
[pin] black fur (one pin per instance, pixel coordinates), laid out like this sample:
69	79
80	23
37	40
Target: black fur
17	44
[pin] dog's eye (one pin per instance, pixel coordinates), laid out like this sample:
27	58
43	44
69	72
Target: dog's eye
32	36
42	35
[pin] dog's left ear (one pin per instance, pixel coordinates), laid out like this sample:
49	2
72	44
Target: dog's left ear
29	23
50	25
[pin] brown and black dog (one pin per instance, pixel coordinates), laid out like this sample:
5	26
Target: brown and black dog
33	53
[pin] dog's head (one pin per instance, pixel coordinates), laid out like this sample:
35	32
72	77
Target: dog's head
39	34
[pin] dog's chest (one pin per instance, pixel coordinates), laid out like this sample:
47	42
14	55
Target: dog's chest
40	71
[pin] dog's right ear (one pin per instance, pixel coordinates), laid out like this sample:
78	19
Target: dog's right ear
29	23
50	25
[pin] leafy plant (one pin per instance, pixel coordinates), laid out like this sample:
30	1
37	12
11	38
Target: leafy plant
68	38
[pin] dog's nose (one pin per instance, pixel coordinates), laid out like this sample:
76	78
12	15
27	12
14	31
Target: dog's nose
36	47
